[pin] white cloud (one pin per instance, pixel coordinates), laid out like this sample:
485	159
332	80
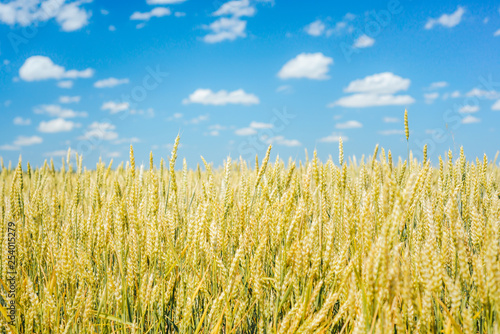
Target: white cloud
307	65
252	128
114	154
69	99
333	138
100	131
364	41
468	109
221	98
180	14
497	33
496	106
155	12
470	119
197	120
372	100
259	125
446	20
55	110
391	132
27	141
70	16
349	125
164	2
375	90
282	141
437	85
230	27
245	131
22	121
127	140
316	28
381	83
42	68
67	84
455	94
491	95
110	82
391	120
114	107
226	29
57	125
236	8
104	12
430	97
8	147
112	28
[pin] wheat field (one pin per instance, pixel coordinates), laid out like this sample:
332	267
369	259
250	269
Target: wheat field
375	246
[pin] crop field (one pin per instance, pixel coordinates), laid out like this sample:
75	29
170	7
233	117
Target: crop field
374	246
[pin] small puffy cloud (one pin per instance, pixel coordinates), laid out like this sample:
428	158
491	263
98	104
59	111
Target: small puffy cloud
496	106
470	119
69	99
112	28
316	28
467	109
252	128
104	12
364	41
164	2
372	100
349	125
110	82
114	107
226	29
430	97
221	98
155	12
131	140
497	33
281	141
391	120
57	125
245	131
236	8
197	120
446	20
391	132
67	84
37	68
71	17
455	94
381	83
375	90
21	121
55	110
259	125
437	85
100	131
307	65
27	141
179	14
333	138
490	95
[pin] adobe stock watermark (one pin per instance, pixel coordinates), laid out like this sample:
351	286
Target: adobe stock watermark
104	129
29	32
453	118
259	141
375	23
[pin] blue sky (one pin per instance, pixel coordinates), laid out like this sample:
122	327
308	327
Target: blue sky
233	77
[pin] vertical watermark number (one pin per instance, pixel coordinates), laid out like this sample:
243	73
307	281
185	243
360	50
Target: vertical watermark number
11	274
